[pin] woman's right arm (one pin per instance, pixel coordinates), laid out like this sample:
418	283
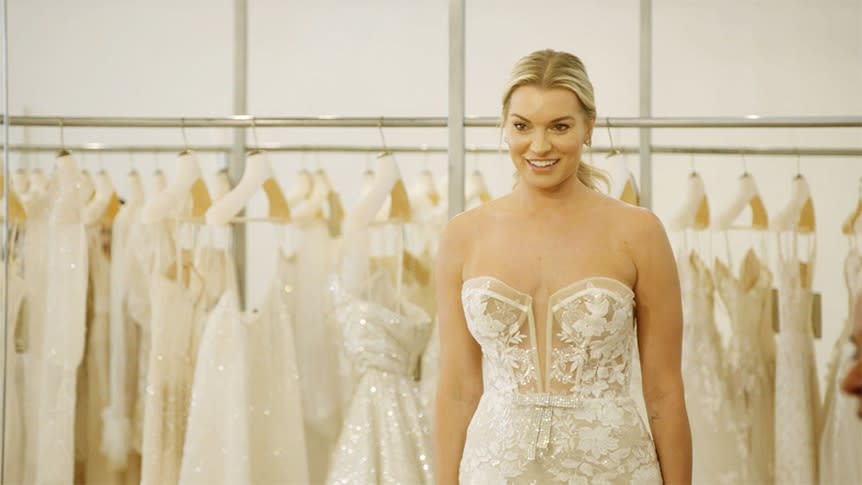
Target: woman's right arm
459	385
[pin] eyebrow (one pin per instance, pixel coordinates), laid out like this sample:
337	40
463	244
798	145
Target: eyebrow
562	118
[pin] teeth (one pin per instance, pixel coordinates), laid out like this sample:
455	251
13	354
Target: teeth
542	163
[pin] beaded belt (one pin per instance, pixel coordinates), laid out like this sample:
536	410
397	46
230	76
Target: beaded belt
543	405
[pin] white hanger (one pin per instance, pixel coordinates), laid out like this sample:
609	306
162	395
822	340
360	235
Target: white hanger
38	180
70	195
694	212
798	214
136	188
747	195
312	206
301	188
221	185
104	191
386	177
425	188
165	202
21	181
159	182
258	174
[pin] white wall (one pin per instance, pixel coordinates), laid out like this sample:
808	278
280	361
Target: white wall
388	57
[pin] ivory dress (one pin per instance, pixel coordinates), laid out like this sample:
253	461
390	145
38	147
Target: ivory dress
841	434
574	421
245	419
797	397
707	395
751	368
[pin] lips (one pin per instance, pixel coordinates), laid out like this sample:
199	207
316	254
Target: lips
542	163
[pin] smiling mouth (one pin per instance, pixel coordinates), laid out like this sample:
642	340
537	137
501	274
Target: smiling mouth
542	163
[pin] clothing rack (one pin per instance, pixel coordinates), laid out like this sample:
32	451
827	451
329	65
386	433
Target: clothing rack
275	147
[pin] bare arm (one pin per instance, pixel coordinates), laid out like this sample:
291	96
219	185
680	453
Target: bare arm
659	317
460	380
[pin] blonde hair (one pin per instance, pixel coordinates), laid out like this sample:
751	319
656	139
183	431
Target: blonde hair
554	69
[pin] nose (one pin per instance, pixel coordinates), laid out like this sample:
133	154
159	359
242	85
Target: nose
540	143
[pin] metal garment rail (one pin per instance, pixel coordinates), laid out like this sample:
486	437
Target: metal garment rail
248	121
663	149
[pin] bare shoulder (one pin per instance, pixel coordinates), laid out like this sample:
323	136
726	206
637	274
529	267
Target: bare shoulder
637	225
456	239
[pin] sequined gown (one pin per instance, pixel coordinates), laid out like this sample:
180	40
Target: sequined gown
707	394
750	365
573	421
841	434
385	437
254	432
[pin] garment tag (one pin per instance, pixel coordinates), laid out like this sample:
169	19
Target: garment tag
816	314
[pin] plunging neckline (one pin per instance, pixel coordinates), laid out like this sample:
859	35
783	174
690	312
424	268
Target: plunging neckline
543	371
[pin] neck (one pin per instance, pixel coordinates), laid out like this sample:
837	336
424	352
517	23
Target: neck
532	198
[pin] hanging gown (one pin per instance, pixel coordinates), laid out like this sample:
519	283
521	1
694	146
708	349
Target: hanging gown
63	338
12	446
797	397
841	434
716	449
253	433
177	322
574	422
124	337
750	362
385	437
316	349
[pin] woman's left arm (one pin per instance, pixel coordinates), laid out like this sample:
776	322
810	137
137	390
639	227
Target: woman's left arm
659	324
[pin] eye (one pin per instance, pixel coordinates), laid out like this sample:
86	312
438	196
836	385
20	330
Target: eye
519	125
560	127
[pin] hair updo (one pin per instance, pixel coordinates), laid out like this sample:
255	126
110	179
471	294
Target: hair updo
554	69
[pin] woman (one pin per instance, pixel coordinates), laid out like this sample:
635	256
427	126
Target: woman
536	295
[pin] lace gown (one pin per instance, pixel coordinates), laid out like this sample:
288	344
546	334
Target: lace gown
572	422
707	395
841	434
797	397
751	368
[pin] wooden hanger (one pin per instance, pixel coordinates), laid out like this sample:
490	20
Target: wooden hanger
258	174
798	214
17	214
104	205
849	227
476	190
630	193
694	212
747	195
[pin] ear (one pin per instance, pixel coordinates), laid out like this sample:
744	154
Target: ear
588	139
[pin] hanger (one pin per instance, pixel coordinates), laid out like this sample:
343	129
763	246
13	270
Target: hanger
38	180
798	214
424	187
104	204
187	180
221	185
852	225
17	214
301	189
136	188
475	188
747	195
159	181
258	174
21	181
694	212
71	193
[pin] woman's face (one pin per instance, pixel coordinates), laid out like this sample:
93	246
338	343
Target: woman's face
545	130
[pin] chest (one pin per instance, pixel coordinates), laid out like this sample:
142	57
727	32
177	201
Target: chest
540	258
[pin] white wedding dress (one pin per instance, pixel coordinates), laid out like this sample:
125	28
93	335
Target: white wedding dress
14	434
573	422
750	362
707	395
841	434
385	438
797	397
245	420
